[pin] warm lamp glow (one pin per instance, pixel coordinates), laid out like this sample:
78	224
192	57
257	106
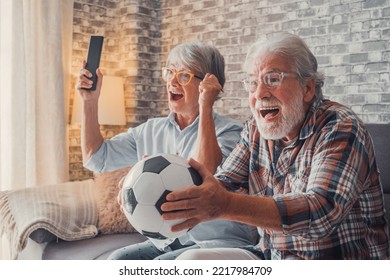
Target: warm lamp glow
111	103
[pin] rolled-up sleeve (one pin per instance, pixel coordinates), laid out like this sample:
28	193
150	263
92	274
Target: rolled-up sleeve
115	153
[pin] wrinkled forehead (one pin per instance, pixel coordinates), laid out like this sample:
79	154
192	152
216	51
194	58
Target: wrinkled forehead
268	61
178	65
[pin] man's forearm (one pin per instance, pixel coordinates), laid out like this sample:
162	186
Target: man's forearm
253	210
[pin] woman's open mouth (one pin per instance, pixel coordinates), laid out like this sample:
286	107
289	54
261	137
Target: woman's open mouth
175	96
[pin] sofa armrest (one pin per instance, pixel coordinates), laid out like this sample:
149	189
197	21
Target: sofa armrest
67	210
97	248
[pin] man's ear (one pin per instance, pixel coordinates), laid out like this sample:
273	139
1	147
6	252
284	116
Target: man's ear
309	90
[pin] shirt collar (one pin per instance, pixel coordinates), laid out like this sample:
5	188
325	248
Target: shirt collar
172	120
309	124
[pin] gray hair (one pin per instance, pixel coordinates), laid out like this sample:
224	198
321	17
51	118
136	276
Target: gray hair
200	57
292	47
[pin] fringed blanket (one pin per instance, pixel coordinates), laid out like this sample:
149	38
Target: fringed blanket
67	210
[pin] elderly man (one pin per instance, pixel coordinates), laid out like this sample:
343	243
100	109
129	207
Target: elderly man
304	171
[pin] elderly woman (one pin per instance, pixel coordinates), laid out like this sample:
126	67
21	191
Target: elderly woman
194	76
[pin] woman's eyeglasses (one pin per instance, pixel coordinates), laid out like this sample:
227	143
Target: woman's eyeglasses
183	77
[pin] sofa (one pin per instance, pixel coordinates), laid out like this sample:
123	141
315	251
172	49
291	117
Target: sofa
380	134
101	227
73	220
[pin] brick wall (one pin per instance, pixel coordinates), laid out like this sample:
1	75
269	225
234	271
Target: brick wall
351	39
131	50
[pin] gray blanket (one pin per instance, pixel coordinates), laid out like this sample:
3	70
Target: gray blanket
67	210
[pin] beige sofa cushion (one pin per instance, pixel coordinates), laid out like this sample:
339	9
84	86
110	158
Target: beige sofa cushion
110	217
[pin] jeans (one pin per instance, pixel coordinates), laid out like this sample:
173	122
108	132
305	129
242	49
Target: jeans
147	251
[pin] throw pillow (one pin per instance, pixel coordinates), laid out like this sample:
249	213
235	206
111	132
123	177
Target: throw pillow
110	217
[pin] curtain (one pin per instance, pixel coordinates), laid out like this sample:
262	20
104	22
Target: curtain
35	62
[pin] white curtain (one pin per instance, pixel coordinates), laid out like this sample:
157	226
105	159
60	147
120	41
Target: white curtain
35	60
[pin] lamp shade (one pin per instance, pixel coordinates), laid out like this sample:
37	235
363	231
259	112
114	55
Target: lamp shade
111	103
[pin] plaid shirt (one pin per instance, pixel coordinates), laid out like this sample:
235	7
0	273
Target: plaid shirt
325	184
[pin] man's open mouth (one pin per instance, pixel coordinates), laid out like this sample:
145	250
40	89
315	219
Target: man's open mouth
268	113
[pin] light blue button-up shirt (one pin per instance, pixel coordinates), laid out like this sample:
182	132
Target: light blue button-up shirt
163	135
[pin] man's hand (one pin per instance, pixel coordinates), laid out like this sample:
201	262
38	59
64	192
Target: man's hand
197	204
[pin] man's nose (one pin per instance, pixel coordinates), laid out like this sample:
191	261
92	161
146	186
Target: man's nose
261	91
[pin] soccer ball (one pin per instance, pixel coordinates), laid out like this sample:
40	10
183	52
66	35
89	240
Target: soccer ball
145	188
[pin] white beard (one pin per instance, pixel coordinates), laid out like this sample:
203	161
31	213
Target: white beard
291	116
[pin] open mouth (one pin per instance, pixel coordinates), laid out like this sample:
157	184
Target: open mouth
269	113
176	96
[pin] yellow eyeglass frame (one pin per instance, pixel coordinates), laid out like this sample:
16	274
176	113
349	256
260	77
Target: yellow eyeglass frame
176	75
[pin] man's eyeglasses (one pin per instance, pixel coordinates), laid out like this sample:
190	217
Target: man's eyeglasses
270	79
183	77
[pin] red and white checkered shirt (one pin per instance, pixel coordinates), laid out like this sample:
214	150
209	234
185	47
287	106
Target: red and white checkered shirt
325	184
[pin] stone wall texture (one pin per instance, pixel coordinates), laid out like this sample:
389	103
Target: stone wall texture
350	38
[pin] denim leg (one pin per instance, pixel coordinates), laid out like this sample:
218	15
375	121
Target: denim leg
140	251
174	254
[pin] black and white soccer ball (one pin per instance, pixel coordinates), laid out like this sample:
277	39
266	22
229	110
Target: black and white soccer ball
145	188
